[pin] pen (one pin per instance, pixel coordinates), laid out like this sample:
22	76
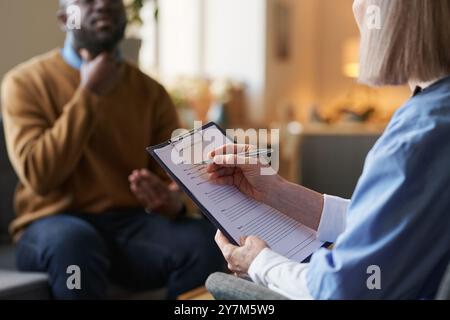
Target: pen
251	154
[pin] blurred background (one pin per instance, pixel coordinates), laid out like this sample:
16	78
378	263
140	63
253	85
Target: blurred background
285	64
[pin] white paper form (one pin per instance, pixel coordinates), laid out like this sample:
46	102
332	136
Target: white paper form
238	214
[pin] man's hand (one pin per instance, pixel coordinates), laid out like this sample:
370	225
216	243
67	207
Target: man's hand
100	74
154	194
240	258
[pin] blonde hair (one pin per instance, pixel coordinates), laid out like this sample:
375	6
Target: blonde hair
413	42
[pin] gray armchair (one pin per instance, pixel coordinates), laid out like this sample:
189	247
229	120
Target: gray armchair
8	184
444	289
26	285
14	284
227	287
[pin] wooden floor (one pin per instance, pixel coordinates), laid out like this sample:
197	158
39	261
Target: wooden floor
196	294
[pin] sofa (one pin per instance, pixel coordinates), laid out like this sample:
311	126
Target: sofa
331	160
14	284
27	285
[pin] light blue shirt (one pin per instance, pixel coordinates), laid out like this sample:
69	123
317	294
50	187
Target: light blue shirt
399	217
70	55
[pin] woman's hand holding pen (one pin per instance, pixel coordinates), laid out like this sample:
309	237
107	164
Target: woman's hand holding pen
230	167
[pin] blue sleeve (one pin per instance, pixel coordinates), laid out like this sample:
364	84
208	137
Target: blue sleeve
398	221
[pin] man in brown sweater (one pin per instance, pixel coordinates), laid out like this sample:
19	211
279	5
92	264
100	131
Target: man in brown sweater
77	122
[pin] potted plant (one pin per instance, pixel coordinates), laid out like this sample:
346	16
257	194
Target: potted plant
134	10
132	42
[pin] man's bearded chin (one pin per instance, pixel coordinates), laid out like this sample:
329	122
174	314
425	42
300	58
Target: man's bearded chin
96	43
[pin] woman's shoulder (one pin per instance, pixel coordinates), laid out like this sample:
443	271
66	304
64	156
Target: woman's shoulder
420	127
430	105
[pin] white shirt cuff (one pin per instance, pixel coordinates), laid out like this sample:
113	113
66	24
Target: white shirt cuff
280	274
333	220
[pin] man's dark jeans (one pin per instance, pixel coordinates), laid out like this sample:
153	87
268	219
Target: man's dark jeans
135	250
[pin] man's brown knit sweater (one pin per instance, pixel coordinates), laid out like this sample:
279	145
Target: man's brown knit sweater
72	150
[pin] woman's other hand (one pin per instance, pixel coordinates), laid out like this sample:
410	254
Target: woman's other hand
240	258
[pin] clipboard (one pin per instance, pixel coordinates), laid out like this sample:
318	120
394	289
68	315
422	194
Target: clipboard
303	249
186	190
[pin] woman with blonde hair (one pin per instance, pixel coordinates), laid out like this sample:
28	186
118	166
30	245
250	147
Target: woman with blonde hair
392	238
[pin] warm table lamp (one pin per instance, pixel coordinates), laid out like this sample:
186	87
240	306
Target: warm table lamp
350	58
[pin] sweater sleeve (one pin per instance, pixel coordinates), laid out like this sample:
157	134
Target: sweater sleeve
44	154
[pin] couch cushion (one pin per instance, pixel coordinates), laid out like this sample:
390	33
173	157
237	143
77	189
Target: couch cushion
25	286
7	258
20	285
